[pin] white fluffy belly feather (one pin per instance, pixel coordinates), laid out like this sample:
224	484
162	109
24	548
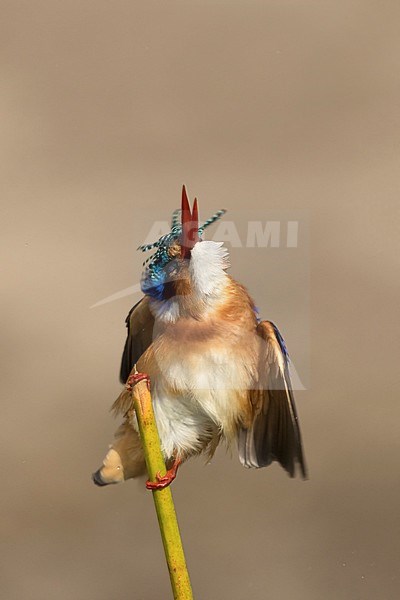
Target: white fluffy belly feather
210	386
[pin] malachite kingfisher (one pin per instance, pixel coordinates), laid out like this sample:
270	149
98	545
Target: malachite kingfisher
217	371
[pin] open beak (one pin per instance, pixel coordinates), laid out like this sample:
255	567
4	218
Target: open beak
190	225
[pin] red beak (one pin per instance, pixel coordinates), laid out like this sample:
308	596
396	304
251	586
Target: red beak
190	225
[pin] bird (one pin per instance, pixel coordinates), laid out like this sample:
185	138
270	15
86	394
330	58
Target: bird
217	371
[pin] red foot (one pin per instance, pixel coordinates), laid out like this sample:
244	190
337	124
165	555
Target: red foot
164	481
134	378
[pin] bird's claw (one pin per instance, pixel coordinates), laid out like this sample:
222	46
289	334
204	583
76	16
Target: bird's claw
163	481
134	378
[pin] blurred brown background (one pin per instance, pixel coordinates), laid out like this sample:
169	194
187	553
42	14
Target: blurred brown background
106	109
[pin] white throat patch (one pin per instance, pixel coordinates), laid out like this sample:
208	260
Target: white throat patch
208	263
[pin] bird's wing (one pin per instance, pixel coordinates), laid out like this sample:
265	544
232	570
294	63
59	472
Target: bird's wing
274	433
140	324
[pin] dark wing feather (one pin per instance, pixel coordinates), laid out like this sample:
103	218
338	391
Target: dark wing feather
275	432
140	324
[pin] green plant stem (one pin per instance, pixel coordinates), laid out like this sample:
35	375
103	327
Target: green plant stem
163	501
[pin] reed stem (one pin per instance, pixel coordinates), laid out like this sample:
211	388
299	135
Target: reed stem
163	501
